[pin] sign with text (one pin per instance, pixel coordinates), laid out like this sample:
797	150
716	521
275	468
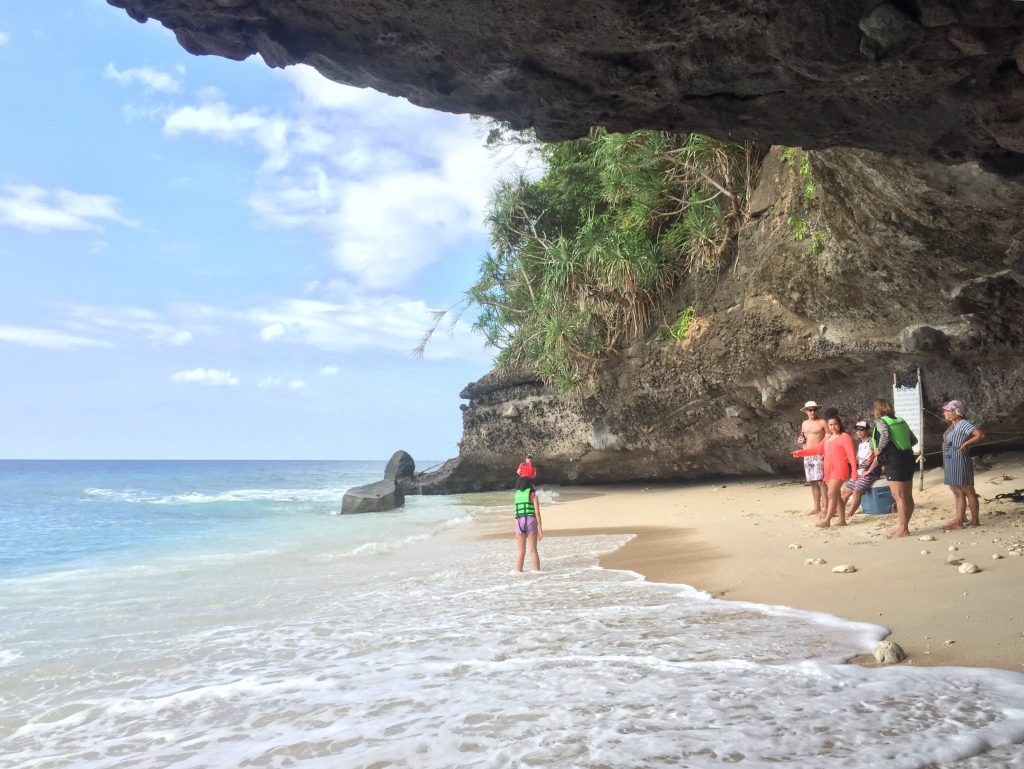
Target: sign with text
908	404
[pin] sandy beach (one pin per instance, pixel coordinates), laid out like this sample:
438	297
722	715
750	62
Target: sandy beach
750	540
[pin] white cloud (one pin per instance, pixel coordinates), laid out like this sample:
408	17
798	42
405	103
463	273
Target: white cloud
38	210
221	121
279	383
4	38
47	338
131	322
361	322
392	186
206	376
329	371
153	79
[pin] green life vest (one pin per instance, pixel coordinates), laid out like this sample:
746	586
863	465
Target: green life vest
524	506
899	433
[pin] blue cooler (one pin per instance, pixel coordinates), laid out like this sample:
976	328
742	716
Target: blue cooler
878	499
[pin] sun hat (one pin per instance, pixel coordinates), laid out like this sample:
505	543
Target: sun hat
957	407
861	425
810	405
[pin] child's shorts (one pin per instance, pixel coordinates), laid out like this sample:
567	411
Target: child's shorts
526	526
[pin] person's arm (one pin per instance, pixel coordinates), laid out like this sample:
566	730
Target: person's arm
536	511
913	438
977	436
811	452
851	455
882	431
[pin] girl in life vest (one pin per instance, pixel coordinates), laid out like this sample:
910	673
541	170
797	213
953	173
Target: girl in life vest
529	528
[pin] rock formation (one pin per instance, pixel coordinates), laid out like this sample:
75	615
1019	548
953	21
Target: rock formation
373	497
939	79
899	265
886	265
400	467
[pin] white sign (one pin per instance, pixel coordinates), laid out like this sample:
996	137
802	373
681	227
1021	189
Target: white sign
908	404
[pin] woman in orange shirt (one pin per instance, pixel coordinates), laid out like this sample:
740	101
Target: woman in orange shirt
840	466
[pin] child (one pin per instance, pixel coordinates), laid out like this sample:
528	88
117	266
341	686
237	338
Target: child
529	528
854	489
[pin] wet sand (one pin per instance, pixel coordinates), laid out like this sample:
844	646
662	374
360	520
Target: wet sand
749	540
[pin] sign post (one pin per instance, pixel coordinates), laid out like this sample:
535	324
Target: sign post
909	405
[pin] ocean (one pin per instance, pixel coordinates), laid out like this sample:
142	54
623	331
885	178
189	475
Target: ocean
222	615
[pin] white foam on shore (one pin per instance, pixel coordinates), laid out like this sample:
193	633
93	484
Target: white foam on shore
135	496
444	659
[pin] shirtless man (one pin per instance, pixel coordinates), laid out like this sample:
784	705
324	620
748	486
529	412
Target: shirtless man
812	432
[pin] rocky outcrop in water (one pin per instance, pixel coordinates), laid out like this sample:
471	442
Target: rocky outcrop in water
373	497
937	79
883	267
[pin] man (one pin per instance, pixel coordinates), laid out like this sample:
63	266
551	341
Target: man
812	433
527	469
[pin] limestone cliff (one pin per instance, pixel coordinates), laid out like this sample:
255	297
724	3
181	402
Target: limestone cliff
918	78
900	265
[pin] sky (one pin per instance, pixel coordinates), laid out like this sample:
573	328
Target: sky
209	259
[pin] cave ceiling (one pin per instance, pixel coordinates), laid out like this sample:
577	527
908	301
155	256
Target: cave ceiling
939	79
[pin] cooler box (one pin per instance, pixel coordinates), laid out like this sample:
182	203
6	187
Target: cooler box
878	499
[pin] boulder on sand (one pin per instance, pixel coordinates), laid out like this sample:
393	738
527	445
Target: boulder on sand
373	497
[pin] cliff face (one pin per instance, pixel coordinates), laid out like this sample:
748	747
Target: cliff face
901	265
918	78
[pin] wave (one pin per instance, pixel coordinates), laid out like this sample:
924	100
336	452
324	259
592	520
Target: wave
134	496
8	657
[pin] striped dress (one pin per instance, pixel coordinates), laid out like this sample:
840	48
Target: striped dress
958	469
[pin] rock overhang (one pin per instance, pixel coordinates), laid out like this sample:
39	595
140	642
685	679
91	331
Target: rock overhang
922	79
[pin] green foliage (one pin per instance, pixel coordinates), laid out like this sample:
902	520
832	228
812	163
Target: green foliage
681	328
817	241
786	155
801	228
581	257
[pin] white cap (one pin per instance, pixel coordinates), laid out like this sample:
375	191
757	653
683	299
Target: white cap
810	405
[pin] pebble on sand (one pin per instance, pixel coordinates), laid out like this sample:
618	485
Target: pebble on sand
952	548
996	556
794	546
968	568
844	569
815	562
925	552
927	538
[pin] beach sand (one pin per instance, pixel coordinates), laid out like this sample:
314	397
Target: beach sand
748	540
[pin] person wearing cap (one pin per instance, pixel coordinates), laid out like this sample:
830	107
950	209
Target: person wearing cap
812	433
855	488
527	469
957	467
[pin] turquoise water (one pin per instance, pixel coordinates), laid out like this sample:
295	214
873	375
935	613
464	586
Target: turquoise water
222	614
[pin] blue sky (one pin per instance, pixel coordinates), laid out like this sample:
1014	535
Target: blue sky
203	258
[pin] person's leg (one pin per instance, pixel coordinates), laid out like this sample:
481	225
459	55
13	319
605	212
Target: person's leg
972	504
835	490
959	509
818	508
520	551
854	502
534	555
904	507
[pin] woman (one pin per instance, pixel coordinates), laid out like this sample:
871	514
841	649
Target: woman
855	488
957	467
528	524
840	465
893	441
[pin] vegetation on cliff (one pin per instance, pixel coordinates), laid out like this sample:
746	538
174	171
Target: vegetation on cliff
582	257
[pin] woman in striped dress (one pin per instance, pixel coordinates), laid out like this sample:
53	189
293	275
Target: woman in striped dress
958	469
